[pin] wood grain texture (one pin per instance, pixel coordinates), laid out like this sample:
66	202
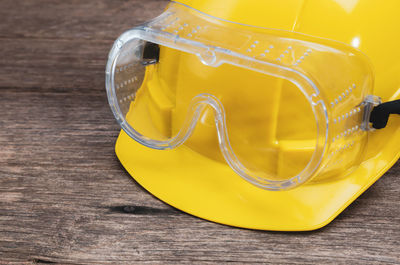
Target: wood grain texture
65	198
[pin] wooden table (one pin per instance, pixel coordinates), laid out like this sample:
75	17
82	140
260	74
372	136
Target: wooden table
65	198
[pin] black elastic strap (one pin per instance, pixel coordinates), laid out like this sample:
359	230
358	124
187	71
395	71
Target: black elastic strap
151	53
380	114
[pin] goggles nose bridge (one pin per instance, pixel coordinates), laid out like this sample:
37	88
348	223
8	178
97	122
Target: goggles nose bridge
197	106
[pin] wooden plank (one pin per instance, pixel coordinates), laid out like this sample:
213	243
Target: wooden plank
64	44
65	198
53	64
74	19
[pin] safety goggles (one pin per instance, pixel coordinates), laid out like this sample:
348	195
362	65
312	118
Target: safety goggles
282	108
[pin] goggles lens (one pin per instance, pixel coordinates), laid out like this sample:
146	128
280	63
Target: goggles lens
278	107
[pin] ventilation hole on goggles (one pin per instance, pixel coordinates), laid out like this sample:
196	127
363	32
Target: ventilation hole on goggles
266	51
170	23
343	95
252	46
346	133
344	147
271	46
348	114
176	31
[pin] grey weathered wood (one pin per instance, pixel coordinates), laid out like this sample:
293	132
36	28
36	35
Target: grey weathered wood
65	198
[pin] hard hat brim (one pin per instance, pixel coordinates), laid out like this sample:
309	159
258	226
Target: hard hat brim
211	190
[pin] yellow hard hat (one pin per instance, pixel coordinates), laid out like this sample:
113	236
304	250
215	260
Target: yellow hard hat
259	114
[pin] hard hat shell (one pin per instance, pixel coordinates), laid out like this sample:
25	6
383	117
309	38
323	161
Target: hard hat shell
203	187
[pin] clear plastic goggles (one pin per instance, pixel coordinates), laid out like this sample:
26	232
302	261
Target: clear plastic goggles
281	107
